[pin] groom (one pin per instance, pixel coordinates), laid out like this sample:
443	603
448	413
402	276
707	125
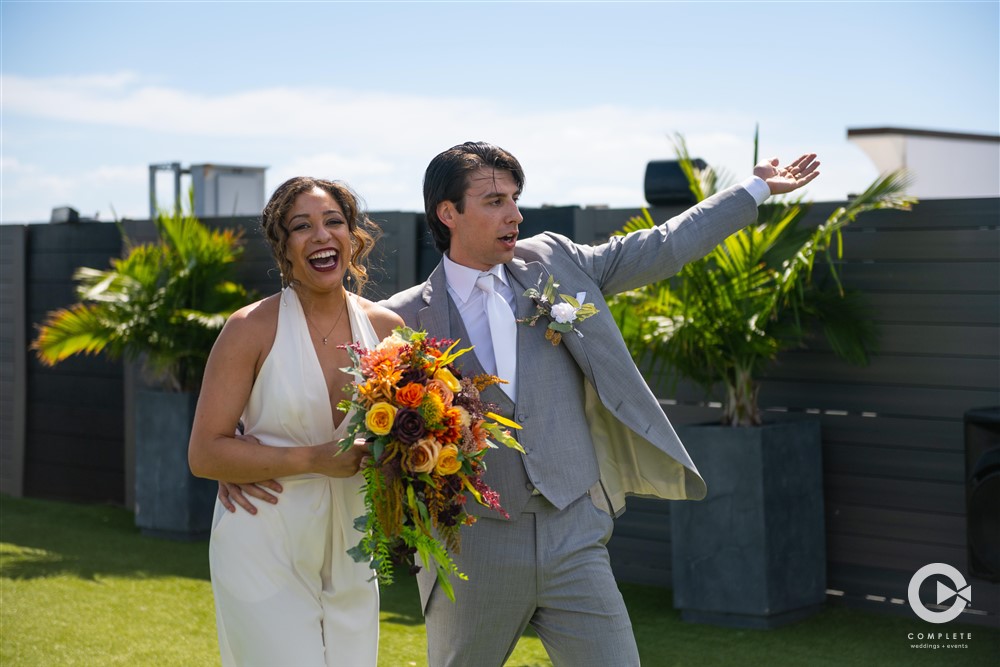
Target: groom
592	430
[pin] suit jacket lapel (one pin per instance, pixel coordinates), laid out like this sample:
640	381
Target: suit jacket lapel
434	317
524	276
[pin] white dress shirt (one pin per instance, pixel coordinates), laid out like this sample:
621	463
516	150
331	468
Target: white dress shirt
471	304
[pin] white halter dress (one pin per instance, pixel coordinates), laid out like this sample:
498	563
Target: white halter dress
286	592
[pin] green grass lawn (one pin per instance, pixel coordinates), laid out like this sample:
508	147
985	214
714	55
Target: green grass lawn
80	586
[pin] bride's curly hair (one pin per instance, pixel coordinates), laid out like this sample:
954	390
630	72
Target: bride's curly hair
363	231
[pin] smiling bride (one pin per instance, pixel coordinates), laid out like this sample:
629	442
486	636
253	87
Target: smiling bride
286	592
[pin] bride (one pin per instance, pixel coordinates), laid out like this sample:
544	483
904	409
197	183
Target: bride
286	592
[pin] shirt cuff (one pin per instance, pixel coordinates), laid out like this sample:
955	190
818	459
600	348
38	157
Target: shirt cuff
757	188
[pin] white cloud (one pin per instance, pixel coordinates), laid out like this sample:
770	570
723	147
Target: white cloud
378	142
9	164
30	192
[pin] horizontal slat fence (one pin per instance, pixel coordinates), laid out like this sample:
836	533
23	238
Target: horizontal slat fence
73	410
13	274
893	434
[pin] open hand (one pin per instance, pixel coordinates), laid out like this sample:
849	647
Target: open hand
786	179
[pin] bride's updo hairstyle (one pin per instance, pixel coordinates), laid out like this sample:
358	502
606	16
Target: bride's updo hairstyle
363	231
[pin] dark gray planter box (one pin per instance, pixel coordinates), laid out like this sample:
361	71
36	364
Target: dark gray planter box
170	502
752	554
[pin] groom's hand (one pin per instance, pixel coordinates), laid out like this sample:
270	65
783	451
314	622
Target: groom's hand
230	493
782	180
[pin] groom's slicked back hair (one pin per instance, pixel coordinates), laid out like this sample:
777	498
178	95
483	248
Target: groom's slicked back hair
447	179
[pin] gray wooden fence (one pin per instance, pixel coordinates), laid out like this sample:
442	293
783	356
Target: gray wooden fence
893	443
893	437
13	358
70	415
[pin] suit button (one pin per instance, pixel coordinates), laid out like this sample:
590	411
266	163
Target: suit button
521	418
529	486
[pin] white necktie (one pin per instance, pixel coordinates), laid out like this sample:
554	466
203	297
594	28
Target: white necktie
503	333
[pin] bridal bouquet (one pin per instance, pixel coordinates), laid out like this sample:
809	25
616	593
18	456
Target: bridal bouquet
428	431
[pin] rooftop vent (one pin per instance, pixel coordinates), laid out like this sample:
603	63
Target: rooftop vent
219	189
666	185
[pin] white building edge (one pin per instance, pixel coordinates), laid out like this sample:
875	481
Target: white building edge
944	165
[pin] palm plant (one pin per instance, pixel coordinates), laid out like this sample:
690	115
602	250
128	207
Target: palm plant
724	318
164	301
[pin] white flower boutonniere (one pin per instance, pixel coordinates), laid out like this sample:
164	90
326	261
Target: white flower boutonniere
563	316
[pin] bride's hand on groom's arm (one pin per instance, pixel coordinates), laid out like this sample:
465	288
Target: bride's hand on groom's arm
231	495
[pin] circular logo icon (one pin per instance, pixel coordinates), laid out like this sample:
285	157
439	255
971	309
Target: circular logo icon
962	593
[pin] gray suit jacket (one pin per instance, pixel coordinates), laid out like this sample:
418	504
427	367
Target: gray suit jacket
587	414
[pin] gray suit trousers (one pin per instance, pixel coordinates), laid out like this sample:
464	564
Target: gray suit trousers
564	589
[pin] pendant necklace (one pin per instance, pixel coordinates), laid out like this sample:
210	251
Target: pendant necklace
327	336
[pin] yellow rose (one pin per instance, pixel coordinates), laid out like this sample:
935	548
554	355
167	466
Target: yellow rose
422	455
448	463
449	379
380	417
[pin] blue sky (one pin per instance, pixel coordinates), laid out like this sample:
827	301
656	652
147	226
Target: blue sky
585	94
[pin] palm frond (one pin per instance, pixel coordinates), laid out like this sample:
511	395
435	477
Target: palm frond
165	301
725	317
79	329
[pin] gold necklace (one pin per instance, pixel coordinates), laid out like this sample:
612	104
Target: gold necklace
327	336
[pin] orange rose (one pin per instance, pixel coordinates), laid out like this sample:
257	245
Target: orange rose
380	417
411	395
448	463
422	455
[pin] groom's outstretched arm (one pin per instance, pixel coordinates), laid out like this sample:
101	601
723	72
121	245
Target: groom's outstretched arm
650	255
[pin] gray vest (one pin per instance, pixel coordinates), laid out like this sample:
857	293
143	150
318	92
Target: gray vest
559	461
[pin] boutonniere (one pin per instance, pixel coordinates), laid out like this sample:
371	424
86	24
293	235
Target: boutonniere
563	316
